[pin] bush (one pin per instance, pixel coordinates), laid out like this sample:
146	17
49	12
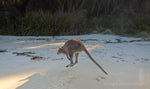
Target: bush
73	17
40	23
45	23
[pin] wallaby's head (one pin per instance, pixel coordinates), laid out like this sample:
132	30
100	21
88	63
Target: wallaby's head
60	50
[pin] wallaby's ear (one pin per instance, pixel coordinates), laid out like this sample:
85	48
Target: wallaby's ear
60	47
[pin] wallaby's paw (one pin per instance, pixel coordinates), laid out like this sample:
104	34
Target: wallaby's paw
70	65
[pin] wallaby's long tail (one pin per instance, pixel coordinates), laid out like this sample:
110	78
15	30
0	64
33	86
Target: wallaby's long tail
95	61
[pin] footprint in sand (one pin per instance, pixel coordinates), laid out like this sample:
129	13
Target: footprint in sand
100	78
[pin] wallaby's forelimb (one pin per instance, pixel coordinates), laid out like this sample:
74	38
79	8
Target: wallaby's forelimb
77	54
67	57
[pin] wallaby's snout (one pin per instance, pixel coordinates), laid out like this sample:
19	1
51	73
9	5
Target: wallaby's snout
58	53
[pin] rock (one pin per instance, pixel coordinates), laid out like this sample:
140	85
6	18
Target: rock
108	31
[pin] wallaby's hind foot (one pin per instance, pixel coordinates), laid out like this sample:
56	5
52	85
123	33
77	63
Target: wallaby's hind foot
71	65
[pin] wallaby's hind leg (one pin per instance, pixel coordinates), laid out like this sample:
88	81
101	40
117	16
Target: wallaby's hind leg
71	61
77	54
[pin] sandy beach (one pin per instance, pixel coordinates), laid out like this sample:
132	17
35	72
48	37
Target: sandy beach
32	63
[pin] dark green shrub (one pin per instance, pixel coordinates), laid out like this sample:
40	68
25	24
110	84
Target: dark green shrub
45	23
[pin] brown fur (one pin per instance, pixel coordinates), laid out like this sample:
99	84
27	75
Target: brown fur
75	46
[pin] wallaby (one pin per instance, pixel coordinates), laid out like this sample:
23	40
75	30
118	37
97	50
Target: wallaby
75	46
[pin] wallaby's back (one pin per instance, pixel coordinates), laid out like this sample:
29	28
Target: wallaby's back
74	45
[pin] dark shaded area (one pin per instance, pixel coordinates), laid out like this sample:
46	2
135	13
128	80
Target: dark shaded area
74	17
29	54
2	51
23	54
124	41
37	58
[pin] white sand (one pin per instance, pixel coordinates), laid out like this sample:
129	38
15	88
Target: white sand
128	64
